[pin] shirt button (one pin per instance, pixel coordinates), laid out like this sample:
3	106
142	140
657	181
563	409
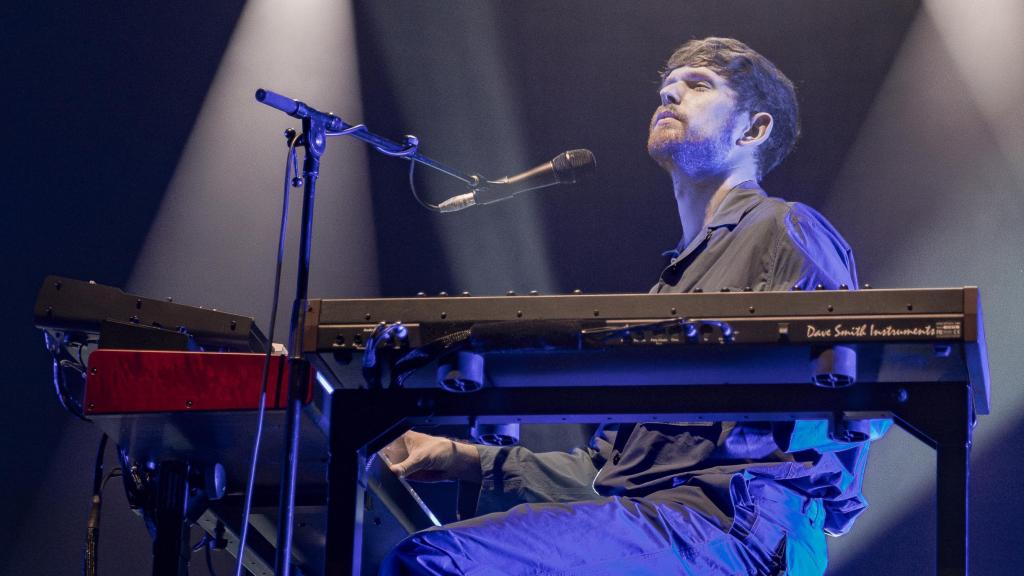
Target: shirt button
615	459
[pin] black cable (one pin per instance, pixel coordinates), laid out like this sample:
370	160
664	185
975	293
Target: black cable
90	563
64	396
97	477
207	542
261	410
382	335
134	483
410	150
115	473
80	346
412	187
209	559
67	401
412	145
202	543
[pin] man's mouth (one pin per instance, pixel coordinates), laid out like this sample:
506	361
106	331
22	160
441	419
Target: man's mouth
665	114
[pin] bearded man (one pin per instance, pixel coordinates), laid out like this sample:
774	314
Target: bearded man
658	498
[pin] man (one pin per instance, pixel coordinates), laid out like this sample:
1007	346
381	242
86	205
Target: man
677	498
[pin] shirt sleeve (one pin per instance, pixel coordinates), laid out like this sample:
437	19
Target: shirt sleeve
842	494
808	251
515	475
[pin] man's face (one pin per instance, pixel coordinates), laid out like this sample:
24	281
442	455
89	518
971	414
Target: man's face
695	128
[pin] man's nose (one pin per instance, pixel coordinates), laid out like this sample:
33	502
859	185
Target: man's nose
669	95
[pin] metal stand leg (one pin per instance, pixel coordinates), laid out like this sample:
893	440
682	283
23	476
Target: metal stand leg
952	493
170	546
953	469
345	511
941	415
356	431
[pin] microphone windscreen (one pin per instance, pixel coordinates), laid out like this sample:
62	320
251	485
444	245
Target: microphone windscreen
573	165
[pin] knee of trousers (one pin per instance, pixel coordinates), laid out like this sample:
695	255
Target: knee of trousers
421	554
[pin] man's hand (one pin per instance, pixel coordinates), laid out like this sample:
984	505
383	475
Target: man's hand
426	458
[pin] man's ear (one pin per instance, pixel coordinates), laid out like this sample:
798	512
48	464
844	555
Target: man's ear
759	130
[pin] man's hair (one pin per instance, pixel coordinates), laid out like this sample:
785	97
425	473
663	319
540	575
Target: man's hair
759	85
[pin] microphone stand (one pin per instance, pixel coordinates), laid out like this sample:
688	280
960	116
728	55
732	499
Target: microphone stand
316	127
314	142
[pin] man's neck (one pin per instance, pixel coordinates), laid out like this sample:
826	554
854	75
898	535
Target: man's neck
697	199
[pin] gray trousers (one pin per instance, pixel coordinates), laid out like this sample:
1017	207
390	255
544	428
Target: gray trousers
775	531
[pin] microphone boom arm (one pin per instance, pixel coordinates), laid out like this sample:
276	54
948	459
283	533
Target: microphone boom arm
338	127
567	167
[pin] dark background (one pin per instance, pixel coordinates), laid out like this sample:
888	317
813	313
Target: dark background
913	146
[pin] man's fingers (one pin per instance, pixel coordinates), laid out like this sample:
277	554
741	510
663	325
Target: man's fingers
421	457
408	466
397	450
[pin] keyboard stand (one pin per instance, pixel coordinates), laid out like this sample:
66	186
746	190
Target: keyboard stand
939	414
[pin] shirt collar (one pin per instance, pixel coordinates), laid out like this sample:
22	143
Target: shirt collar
740	200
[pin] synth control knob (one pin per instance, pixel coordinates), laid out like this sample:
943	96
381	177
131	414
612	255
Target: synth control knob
442	293
834	366
510	293
819	287
496	434
462	372
215	481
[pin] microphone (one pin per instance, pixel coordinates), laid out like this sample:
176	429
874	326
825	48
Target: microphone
566	168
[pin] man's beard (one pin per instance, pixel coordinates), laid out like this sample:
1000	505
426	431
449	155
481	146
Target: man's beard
693	155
